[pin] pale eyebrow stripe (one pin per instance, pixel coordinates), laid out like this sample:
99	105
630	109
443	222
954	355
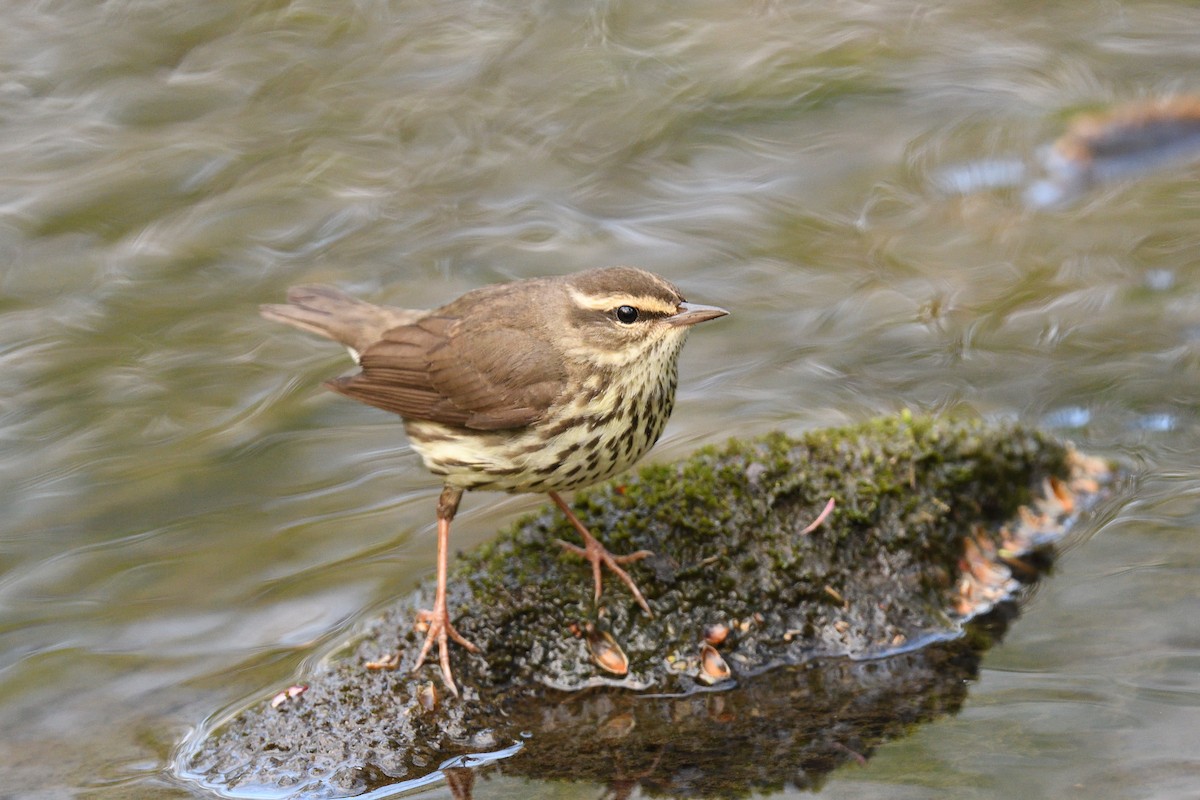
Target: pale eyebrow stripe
609	301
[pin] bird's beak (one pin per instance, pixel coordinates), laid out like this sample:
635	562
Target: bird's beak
691	313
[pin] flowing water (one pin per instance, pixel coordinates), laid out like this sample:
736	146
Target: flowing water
188	516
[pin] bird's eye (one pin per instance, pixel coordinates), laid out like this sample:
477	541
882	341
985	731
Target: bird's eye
627	314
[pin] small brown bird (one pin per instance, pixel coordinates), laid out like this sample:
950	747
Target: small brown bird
543	385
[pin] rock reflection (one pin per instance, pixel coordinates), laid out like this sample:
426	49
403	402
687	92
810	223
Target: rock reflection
791	726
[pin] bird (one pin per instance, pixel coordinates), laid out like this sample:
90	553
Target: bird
544	385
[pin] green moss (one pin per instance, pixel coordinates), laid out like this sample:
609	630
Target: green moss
725	527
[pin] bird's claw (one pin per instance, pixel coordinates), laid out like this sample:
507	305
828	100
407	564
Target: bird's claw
599	555
441	630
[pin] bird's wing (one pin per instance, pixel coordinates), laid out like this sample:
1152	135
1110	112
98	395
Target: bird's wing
485	379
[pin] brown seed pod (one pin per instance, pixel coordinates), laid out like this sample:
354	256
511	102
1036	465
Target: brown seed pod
427	696
606	652
713	668
716	633
290	693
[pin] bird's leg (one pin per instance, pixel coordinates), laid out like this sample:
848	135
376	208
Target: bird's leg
440	629
598	554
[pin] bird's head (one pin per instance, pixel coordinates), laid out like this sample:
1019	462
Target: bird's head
621	315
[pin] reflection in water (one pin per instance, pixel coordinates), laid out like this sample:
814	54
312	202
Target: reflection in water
788	727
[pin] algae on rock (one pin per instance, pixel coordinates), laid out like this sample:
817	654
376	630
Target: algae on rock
924	511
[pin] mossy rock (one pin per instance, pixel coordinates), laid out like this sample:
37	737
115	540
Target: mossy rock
930	520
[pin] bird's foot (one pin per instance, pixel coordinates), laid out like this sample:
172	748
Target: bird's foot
599	555
441	631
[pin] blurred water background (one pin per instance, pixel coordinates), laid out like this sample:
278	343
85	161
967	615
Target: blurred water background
187	516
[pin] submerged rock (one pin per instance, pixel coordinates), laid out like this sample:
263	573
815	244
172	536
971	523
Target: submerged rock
933	523
1128	140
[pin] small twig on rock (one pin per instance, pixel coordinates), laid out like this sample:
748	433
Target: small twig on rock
824	515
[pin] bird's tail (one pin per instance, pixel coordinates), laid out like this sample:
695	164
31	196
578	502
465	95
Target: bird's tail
331	313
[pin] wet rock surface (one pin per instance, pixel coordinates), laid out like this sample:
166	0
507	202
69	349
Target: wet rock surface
758	639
